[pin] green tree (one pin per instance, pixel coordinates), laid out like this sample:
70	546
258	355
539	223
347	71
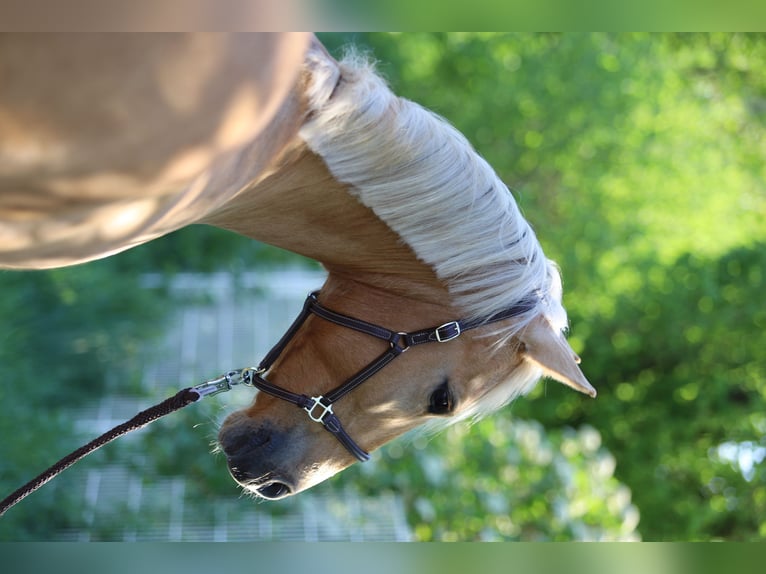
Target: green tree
638	158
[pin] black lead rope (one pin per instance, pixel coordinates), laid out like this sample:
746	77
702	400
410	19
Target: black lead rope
180	400
319	408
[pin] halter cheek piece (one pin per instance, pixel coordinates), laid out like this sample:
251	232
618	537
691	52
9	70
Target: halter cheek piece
319	408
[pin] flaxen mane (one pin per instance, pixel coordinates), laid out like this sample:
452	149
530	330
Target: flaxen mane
424	179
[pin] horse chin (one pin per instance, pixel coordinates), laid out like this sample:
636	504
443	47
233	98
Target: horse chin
277	486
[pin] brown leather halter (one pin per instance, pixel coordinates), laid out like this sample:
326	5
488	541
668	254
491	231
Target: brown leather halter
319	408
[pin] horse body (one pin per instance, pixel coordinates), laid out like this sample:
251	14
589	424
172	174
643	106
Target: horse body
336	168
108	141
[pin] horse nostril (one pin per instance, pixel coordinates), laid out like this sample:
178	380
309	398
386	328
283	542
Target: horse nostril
274	490
242	442
254	456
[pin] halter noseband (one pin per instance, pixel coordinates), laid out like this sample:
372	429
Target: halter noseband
319	408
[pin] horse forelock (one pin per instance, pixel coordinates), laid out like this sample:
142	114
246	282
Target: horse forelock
423	178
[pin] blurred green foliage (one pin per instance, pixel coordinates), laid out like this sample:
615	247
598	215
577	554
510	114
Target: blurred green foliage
504	479
69	335
638	158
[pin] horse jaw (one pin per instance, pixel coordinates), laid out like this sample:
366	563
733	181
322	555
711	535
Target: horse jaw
549	350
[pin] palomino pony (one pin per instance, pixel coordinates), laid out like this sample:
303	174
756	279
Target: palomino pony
108	142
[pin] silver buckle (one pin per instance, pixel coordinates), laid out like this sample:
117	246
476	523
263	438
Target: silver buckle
318	403
453	324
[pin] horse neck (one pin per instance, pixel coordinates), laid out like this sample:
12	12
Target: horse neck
299	206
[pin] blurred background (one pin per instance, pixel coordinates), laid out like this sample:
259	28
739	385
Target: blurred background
639	161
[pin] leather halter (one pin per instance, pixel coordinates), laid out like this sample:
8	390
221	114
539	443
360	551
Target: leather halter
319	408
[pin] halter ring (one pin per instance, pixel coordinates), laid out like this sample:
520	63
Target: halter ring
399	343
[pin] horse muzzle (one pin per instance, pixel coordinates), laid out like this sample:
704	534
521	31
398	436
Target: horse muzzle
252	456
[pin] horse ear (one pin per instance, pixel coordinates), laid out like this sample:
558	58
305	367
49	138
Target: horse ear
549	350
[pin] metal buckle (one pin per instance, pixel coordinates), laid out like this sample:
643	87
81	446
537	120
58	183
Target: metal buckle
455	325
318	403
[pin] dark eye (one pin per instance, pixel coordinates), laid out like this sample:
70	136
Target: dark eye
441	402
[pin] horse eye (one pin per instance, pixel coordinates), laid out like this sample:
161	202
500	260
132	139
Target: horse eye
441	402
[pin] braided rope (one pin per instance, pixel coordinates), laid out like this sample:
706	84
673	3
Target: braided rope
178	401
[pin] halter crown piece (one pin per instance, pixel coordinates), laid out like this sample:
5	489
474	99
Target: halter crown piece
318	408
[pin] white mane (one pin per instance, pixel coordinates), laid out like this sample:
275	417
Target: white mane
427	183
